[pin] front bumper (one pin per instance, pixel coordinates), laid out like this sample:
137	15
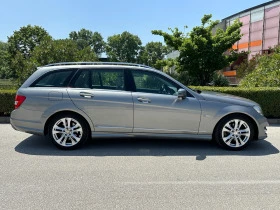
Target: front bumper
262	127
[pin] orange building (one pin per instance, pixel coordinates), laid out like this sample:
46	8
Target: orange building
260	31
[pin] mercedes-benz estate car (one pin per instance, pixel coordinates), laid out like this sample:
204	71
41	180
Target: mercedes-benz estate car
71	102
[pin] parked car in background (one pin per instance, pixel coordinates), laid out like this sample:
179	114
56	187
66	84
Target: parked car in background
71	102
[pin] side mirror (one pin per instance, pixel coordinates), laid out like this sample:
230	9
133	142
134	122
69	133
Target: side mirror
182	93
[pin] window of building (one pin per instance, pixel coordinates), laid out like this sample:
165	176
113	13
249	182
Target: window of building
272	5
244	14
257	15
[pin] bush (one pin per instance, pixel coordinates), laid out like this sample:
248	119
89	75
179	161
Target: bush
267	97
266	73
219	80
247	67
7	99
6	84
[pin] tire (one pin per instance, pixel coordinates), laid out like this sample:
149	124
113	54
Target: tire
234	132
68	131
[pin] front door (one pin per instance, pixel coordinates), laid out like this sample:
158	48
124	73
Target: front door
157	108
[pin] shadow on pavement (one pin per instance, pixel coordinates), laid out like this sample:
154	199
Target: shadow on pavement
38	145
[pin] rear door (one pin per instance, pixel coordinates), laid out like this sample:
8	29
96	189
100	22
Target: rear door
157	108
102	95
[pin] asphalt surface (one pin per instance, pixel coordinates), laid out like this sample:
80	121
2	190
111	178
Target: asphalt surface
137	174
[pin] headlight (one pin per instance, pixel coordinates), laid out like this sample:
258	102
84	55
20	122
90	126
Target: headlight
258	109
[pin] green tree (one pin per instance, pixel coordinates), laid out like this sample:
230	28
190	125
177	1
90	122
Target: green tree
62	50
23	42
152	52
26	39
86	38
123	47
266	72
4	58
23	68
201	51
219	80
246	67
52	51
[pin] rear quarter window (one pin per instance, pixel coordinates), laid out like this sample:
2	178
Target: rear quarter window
57	78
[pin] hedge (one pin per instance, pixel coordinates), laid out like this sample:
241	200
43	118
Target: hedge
7	100
6	84
268	98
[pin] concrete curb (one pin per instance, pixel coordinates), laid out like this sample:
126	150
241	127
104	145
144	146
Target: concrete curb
270	121
273	121
4	119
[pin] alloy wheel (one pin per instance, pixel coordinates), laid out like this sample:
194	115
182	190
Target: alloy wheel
236	133
67	132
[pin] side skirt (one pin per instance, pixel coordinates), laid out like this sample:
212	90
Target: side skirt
151	135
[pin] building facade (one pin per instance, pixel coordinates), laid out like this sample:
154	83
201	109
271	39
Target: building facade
260	30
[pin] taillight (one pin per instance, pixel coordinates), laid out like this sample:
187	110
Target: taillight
19	100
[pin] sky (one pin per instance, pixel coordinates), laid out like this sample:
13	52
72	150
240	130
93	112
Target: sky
109	17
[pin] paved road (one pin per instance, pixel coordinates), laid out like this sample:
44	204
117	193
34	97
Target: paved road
137	174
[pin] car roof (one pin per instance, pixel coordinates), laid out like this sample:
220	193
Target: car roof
95	64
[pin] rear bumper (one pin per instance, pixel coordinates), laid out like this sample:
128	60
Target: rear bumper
26	125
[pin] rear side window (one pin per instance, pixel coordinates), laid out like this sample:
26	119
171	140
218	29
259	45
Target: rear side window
112	79
108	79
83	80
54	79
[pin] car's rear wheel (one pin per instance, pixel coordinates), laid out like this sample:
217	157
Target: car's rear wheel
68	131
234	132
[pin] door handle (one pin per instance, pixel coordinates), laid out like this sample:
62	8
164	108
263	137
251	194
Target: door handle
86	95
144	100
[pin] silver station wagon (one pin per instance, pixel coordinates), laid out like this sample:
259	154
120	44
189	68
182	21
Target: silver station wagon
71	102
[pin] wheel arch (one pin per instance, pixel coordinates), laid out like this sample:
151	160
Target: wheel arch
256	130
61	113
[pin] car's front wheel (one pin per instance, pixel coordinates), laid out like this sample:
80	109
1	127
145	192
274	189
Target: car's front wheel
234	132
68	131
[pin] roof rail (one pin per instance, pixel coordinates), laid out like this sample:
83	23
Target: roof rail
99	63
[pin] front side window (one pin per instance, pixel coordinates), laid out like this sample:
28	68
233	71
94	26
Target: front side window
54	79
149	82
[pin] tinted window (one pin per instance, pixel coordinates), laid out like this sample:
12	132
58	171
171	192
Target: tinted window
150	82
100	79
54	79
83	80
108	79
